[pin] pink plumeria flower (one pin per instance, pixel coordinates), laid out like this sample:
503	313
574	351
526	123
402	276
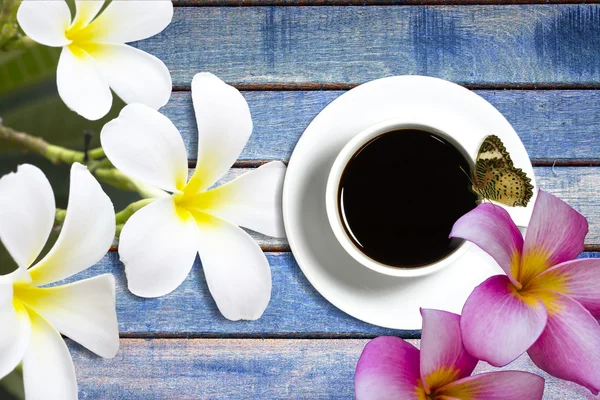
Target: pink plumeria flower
159	243
547	302
390	368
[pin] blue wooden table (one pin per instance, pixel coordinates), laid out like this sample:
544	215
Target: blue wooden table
538	63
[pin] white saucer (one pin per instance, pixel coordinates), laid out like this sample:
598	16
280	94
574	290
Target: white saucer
364	294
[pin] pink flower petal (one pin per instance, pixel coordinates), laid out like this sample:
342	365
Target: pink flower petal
444	359
501	385
388	368
579	279
490	227
555	235
498	324
569	348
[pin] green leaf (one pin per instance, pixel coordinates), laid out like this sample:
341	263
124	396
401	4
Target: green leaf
20	69
23	62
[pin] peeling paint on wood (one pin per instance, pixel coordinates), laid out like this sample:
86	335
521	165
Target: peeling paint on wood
296	309
482	44
553	124
245	369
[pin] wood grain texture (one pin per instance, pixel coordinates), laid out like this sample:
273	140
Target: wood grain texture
254	3
296	309
578	186
554	125
245	369
491	45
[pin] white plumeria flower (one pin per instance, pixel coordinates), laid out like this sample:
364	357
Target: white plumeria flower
159	243
33	317
94	58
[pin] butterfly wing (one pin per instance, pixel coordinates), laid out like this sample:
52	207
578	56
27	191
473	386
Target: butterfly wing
492	148
496	178
515	188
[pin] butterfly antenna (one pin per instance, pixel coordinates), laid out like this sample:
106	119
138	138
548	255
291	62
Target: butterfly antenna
467	175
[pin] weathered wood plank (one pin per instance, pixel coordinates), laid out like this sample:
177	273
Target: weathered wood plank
245	369
578	186
554	125
296	309
237	3
489	45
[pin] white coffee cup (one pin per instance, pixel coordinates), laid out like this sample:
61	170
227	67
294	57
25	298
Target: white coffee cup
332	203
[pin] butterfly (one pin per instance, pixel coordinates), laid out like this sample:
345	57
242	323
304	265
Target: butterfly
496	178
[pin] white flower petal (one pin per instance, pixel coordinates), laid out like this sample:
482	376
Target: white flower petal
27	211
86	11
84	311
45	21
146	146
87	232
16	329
81	85
224	126
128	21
237	272
48	371
20	275
253	200
158	247
134	75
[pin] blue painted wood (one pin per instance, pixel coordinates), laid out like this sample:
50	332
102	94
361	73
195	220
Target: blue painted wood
245	369
578	186
229	3
575	185
553	124
478	45
296	308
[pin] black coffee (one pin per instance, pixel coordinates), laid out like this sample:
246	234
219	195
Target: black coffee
401	193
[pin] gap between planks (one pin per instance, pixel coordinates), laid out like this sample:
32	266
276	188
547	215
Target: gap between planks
414	334
302	3
536	162
285	248
281	246
322	86
266	248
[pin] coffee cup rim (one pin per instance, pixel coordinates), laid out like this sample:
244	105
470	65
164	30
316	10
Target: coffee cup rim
332	205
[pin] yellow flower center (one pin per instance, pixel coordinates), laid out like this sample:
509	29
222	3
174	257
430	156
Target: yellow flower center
437	381
79	33
191	203
465	391
440	377
83	35
533	263
535	286
545	287
26	295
